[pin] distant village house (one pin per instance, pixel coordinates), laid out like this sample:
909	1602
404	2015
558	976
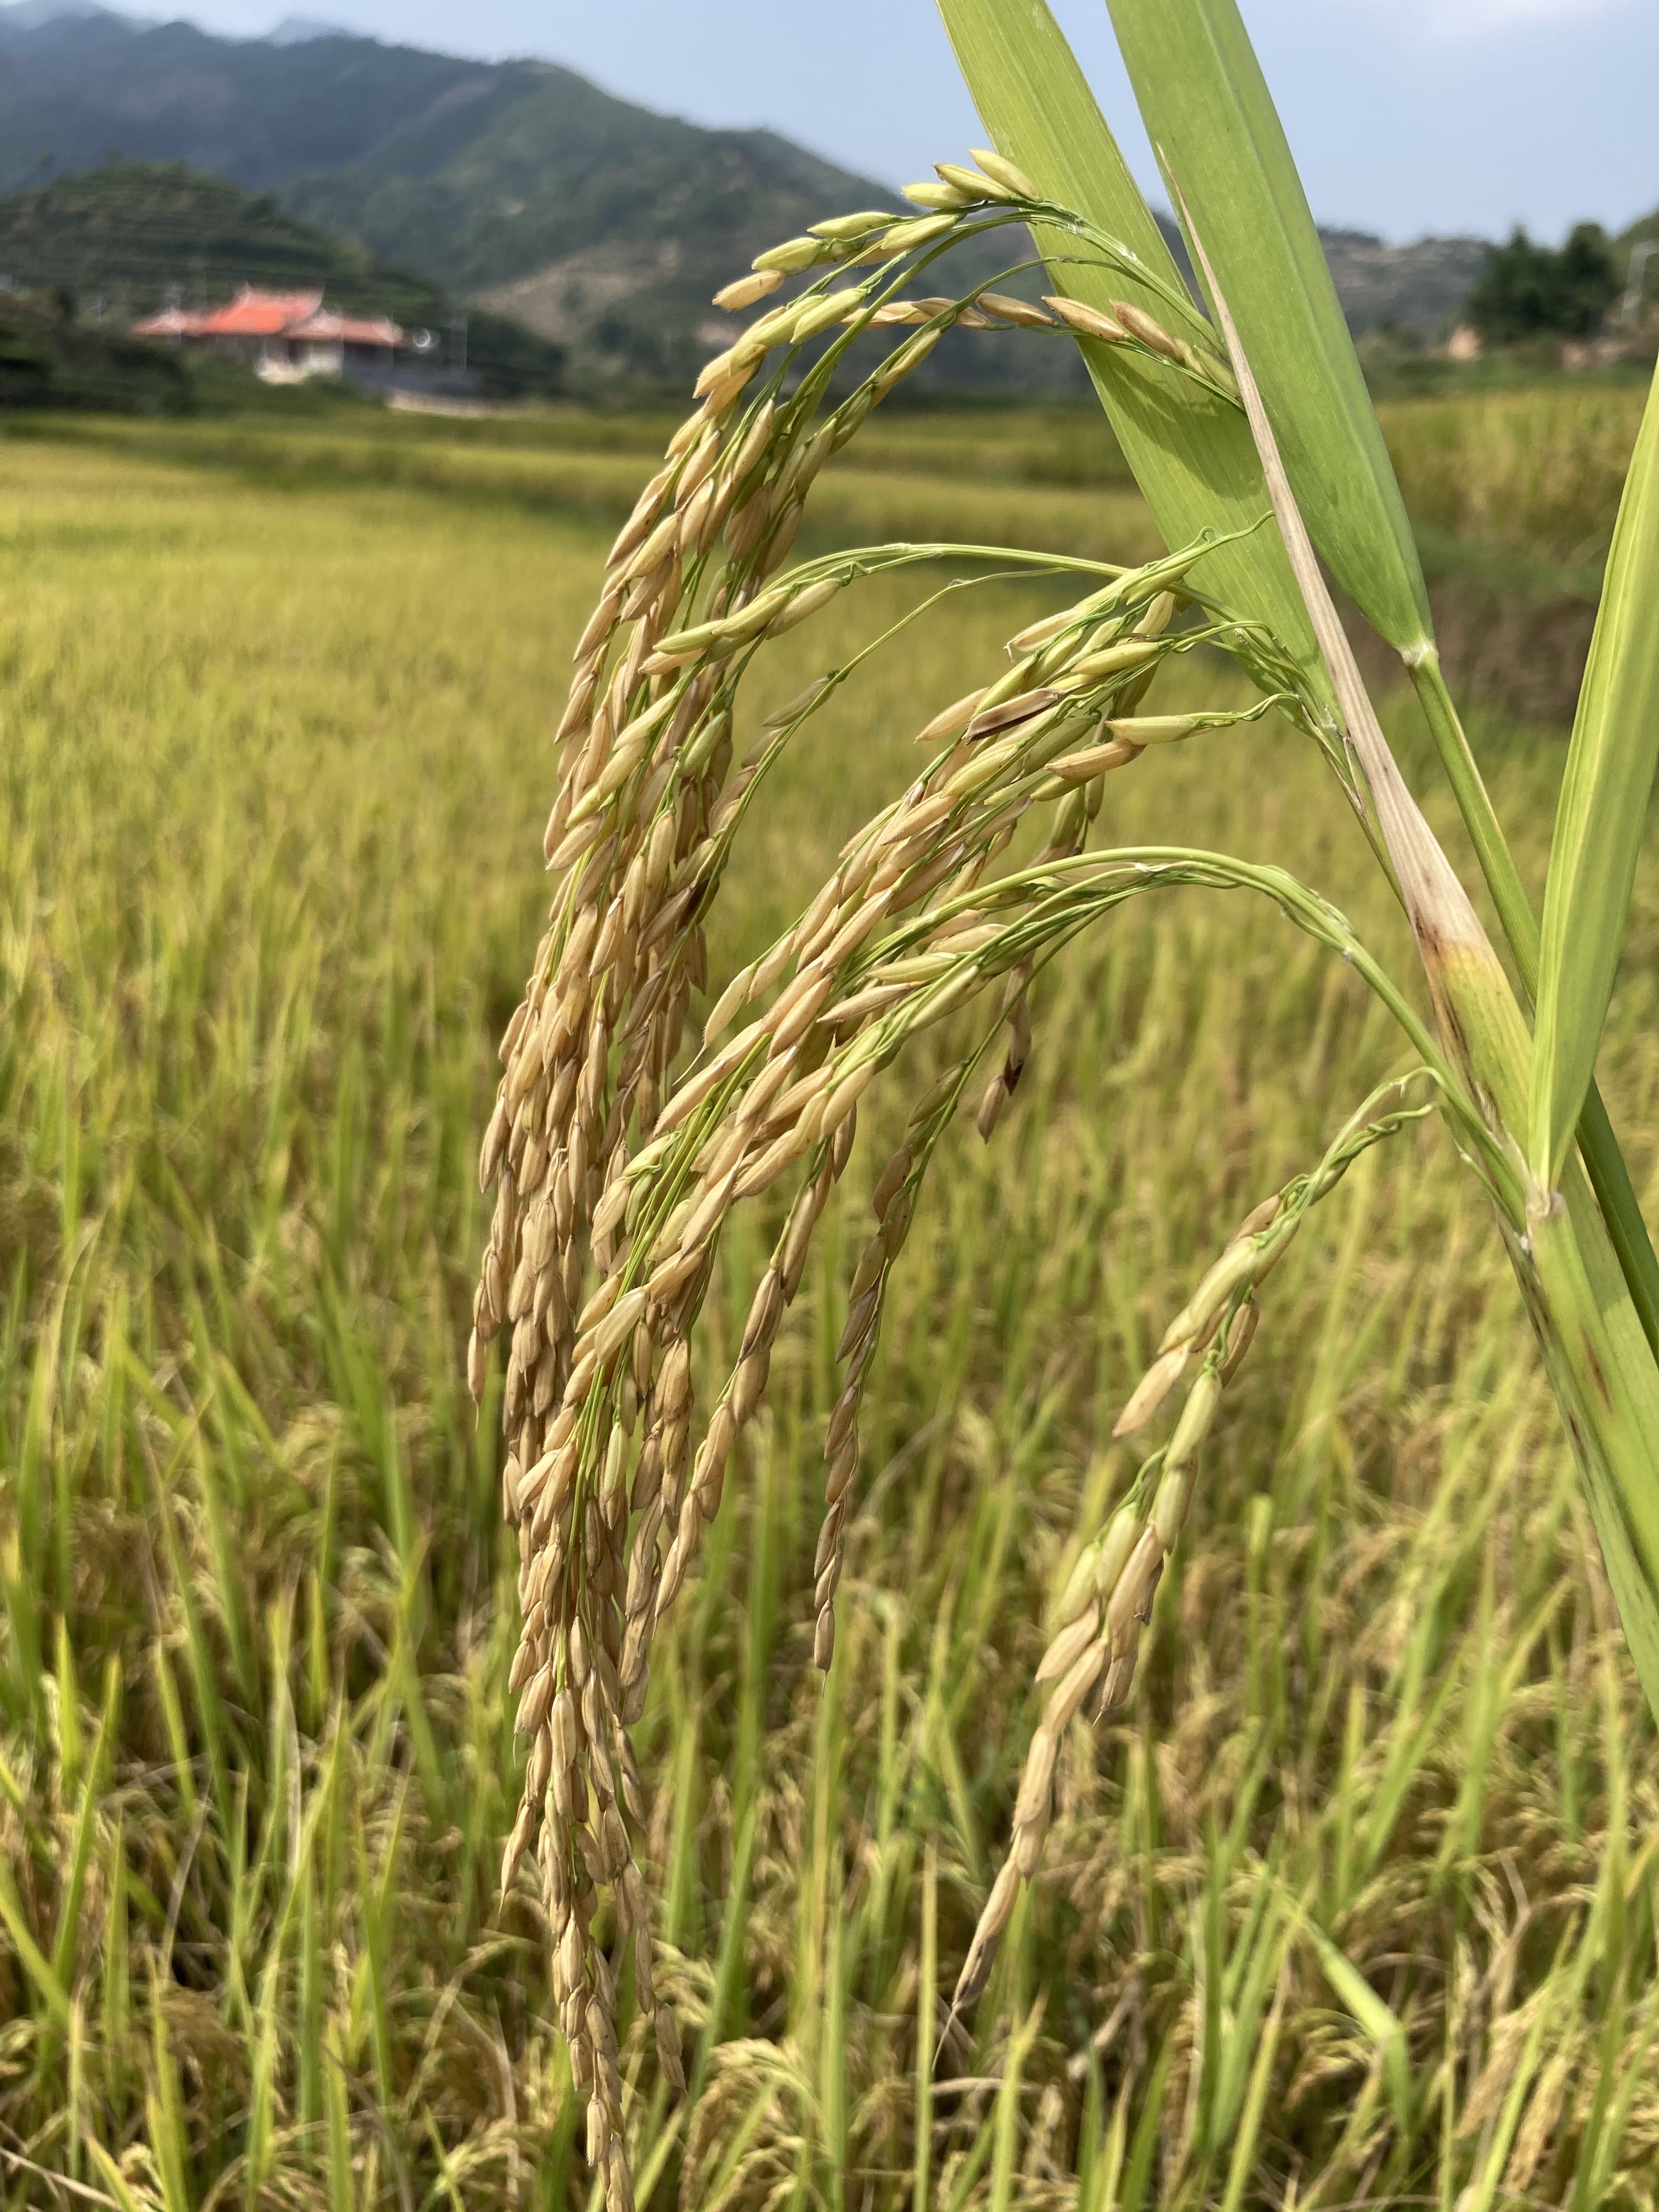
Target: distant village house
285	338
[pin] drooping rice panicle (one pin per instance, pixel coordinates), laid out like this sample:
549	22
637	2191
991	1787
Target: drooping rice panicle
617	1166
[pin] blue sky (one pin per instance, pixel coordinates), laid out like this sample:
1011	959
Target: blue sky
1406	116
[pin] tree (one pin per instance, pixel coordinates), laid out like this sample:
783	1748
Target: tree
1529	290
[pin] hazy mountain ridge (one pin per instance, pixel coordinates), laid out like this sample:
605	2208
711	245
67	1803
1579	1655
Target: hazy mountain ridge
75	89
1420	286
31	15
530	172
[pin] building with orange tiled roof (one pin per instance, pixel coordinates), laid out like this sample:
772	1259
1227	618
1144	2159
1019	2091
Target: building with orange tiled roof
287	337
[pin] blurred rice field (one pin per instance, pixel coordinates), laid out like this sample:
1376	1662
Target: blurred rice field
1357	1906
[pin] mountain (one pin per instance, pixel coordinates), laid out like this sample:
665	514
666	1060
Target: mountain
30	14
541	165
1420	288
74	89
127	237
591	220
516	185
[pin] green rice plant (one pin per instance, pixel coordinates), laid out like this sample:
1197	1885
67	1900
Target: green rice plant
1537	474
619	1170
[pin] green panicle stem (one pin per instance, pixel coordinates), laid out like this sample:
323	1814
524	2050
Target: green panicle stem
1596	1338
1609	1175
1607	1388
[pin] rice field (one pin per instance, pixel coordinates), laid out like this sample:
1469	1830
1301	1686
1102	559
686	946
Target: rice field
1358	1905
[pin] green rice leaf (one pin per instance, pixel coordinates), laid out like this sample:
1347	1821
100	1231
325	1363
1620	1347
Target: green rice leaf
1377	2021
1599	821
1190	450
1212	119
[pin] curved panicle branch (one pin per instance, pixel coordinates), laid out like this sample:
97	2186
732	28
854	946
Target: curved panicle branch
1107	1598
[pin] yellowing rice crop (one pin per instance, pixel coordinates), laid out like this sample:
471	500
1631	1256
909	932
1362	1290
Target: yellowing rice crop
1357	1898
